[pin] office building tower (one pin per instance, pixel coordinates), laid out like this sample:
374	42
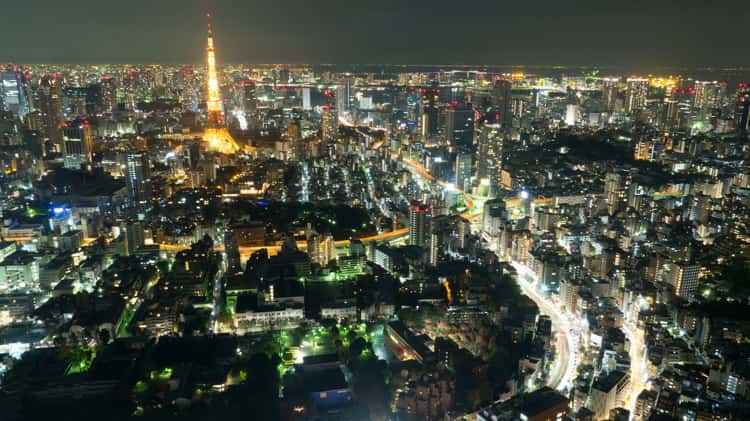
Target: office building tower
249	100
460	126
430	110
707	95
306	99
742	110
344	94
77	144
314	243
463	170
419	220
50	106
216	136
668	114
133	237
232	250
571	113
681	276
329	124
109	94
609	93
14	98
635	98
614	192
490	156
501	100
137	172
189	94
607	392
294	135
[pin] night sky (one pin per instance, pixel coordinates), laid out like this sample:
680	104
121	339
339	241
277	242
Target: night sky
634	34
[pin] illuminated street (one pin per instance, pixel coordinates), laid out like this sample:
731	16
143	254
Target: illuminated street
567	330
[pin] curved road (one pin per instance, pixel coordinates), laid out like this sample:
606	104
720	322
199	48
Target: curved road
568	331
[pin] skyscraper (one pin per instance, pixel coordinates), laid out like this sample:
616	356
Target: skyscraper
344	93
133	237
571	113
742	109
635	98
250	103
109	94
14	93
216	135
330	124
460	126
490	156
609	93
667	118
419	220
501	99
77	144
430	111
707	95
614	191
463	170
189	92
137	172
232	250
50	106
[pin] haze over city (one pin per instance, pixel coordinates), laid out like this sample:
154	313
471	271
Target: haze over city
637	35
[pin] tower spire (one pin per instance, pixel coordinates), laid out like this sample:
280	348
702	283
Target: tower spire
216	134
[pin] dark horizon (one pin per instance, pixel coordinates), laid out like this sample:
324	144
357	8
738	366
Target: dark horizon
642	35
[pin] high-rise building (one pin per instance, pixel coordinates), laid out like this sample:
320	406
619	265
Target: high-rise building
668	115
133	237
419	220
189	91
742	110
571	113
460	126
490	156
329	124
463	170
614	191
77	144
249	100
430	110
501	99
14	98
306	99
635	98
137	172
232	250
683	277
609	93
294	135
344	94
50	106
607	391
109	94
707	95
216	136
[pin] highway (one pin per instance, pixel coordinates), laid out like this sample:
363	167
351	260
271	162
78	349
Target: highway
421	170
246	251
568	331
638	365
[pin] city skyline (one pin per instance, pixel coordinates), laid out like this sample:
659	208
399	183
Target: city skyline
374	242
